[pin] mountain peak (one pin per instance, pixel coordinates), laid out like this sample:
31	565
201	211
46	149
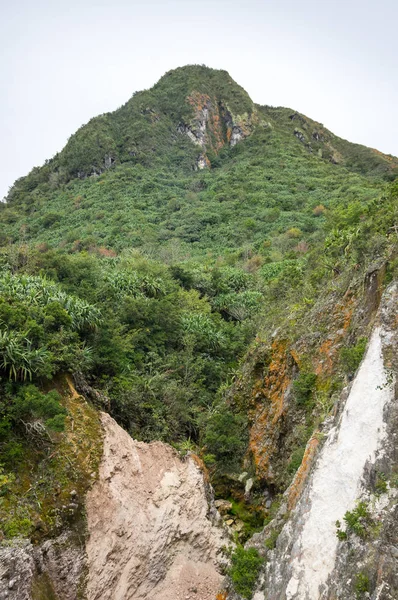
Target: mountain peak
218	84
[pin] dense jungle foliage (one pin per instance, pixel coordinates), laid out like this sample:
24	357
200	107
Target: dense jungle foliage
123	263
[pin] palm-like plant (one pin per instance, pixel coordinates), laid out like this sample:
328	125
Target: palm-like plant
135	284
39	291
18	358
203	329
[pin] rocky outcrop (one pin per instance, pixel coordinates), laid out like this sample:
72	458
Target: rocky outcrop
17	570
54	570
151	531
357	462
213	125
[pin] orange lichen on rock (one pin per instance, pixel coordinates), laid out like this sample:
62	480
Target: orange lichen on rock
221	596
295	356
303	472
201	465
207	113
329	349
217	130
326	358
386	157
267	415
198	100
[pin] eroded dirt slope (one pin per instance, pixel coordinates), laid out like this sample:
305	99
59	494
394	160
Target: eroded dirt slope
151	532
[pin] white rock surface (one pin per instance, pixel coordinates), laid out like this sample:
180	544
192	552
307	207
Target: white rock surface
150	535
336	481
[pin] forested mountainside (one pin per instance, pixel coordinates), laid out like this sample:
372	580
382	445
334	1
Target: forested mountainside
209	272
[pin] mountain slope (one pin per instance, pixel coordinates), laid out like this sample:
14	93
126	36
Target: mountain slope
128	178
208	271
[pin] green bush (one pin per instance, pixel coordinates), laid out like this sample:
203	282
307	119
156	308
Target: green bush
362	585
244	570
296	459
30	403
303	387
270	542
226	438
359	520
351	357
18	527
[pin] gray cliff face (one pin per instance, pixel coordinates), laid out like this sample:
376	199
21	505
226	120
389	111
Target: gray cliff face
54	570
357	462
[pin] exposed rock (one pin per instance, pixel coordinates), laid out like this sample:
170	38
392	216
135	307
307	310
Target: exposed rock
17	566
248	486
238	525
223	506
56	569
201	162
309	562
99	399
300	135
64	561
151	534
213	125
236	135
108	161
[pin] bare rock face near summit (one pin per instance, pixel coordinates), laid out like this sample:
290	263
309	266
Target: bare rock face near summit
151	534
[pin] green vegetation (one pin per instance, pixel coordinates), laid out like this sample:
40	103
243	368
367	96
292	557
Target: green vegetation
270	542
304	386
381	486
42	588
251	516
245	566
121	261
351	357
362	585
225	439
358	521
48	463
295	460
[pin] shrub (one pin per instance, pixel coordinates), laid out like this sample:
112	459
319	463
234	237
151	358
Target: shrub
225	438
303	387
30	403
359	520
351	357
381	484
294	232
270	542
244	570
296	459
18	527
361	585
319	210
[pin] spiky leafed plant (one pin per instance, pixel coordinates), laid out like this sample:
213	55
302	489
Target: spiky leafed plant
39	291
18	358
136	284
203	329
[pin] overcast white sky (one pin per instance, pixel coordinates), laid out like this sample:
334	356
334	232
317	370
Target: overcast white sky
63	62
